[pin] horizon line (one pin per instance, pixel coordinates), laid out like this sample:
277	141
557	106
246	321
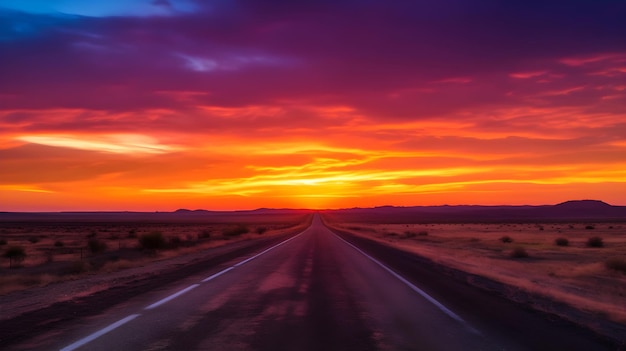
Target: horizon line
307	209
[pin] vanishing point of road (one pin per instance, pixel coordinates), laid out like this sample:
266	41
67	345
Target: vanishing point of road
313	291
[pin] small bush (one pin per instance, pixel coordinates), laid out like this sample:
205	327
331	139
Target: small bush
132	234
590	227
261	230
236	231
519	252
15	254
92	235
595	241
33	239
561	242
58	243
205	234
3	242
96	246
422	233
174	242
410	234
77	267
152	241
506	239
616	264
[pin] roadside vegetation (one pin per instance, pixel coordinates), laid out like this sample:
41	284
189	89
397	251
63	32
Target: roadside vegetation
617	264
595	241
40	253
561	241
16	254
561	261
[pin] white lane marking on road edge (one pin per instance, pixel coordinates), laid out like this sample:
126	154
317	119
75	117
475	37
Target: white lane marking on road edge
430	299
267	250
216	275
99	333
171	297
121	322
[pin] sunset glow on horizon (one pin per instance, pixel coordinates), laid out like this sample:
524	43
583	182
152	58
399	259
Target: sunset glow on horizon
150	105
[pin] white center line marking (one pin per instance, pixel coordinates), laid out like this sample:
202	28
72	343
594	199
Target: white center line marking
429	298
267	250
216	275
171	297
99	333
121	322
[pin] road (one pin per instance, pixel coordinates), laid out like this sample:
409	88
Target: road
314	291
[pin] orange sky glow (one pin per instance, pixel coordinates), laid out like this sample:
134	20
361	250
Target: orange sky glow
113	119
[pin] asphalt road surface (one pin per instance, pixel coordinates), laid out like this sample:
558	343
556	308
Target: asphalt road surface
314	291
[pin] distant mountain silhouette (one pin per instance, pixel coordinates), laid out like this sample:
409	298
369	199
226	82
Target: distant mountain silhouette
575	210
584	204
184	210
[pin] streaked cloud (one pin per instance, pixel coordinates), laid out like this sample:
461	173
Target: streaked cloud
118	143
159	104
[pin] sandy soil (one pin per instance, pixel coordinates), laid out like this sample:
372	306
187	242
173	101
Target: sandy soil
575	274
40	283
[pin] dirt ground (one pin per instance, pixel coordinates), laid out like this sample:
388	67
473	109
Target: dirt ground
56	252
36	284
576	274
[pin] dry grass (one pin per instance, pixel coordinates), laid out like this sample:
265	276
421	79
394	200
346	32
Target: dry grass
576	273
58	252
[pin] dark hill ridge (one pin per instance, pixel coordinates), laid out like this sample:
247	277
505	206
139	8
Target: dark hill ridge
584	204
578	210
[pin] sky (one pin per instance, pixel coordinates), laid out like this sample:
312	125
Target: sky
154	105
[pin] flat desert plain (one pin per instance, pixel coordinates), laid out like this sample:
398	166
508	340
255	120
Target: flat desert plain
580	264
73	247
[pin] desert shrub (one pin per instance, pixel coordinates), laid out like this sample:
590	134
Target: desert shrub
616	264
15	254
174	242
595	241
422	233
152	241
409	234
561	241
236	231
77	267
519	252
589	227
92	235
132	233
204	234
261	230
58	243
3	242
506	239
33	239
96	246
